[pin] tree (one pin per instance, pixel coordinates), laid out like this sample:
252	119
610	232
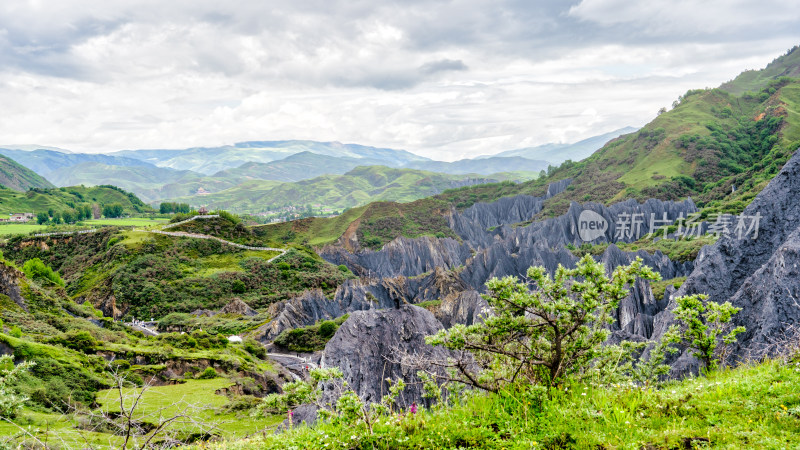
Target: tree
113	210
10	401
704	326
542	335
661	110
42	218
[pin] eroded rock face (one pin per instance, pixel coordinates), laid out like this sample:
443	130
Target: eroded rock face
369	347
9	284
761	275
237	306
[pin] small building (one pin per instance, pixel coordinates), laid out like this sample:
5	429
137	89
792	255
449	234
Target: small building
203	210
20	217
234	339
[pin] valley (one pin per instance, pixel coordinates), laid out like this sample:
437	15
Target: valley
640	293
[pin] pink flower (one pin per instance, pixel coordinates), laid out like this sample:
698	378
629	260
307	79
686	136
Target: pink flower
413	408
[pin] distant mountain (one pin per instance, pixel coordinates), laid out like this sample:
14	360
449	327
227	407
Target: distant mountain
357	187
558	153
210	160
484	166
18	177
297	167
45	161
150	183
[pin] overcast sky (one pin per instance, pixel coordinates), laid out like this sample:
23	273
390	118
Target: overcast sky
444	79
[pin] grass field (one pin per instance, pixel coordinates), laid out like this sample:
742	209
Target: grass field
129	222
12	229
195	398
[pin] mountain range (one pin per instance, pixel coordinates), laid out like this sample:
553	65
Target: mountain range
191	174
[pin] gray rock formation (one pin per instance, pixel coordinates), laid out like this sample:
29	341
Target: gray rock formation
9	285
371	346
358	295
761	275
237	306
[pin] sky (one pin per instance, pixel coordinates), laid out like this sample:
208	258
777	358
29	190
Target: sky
443	79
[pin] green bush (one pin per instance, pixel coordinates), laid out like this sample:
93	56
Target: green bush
80	340
254	348
208	374
327	329
35	269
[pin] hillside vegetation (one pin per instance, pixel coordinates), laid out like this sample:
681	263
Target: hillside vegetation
39	200
19	178
140	274
355	188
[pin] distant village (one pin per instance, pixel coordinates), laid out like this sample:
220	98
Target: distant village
18	217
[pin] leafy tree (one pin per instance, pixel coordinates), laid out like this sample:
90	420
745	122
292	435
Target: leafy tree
113	210
35	269
704	326
545	334
10	401
42	218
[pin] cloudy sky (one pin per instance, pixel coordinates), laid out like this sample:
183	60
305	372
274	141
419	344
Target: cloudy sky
444	79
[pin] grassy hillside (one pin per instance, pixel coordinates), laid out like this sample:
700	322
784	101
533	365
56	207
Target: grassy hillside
18	177
748	407
787	65
46	160
357	187
58	199
141	274
77	353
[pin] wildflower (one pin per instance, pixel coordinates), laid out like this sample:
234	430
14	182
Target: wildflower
583	394
414	408
353	436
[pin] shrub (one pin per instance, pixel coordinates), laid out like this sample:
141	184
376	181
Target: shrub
545	335
327	328
704	326
16	332
254	348
35	269
208	374
80	340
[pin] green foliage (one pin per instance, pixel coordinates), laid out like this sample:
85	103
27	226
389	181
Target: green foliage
15	332
311	338
113	210
255	348
545	335
705	328
752	406
80	340
35	269
10	401
172	207
209	374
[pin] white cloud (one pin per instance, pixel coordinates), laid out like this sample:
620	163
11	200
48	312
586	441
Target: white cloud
444	79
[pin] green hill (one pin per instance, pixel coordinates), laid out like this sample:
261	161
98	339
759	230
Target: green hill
18	177
717	147
59	199
787	65
300	166
357	187
148	182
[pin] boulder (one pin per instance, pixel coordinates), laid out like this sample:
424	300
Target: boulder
374	345
759	274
